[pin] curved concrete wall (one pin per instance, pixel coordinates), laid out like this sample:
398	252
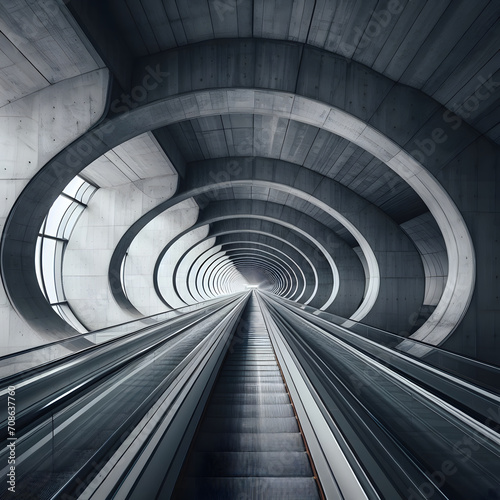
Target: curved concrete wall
411	133
32	130
144	251
165	266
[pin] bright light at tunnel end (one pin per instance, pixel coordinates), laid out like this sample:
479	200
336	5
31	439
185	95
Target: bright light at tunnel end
252	287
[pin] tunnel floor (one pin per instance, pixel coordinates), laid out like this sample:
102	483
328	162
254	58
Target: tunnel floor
248	443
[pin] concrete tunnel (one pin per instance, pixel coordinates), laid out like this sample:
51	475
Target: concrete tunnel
341	156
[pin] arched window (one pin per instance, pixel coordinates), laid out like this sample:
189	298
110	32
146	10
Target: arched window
52	240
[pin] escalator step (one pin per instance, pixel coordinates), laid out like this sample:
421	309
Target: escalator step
250	488
252	388
249	464
248	444
265	398
223	441
249	424
250	411
249	378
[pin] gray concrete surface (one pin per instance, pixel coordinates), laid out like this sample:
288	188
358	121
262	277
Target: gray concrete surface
378	123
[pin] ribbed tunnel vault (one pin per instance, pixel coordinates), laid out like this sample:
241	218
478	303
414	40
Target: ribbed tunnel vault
249	248
251	147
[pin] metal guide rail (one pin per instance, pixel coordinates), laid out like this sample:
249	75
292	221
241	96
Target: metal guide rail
75	413
258	433
249	398
472	386
44	389
19	363
470	371
339	473
401	440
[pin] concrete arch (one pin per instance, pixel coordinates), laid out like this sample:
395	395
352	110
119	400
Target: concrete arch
162	110
299	273
328	297
269	244
232	275
280	263
293	244
317	192
195	269
183	269
347	270
262	265
237	242
286	276
281	234
350	274
166	288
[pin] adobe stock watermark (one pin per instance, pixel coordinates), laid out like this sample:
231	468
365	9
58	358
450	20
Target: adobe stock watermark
121	106
438	477
463	450
454	116
224	175
224	7
139	93
379	21
41	16
11	439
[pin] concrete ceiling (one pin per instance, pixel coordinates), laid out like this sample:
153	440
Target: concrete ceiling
338	112
445	49
442	47
423	57
242	135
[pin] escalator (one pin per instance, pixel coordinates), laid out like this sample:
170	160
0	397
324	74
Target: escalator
74	412
249	443
249	398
